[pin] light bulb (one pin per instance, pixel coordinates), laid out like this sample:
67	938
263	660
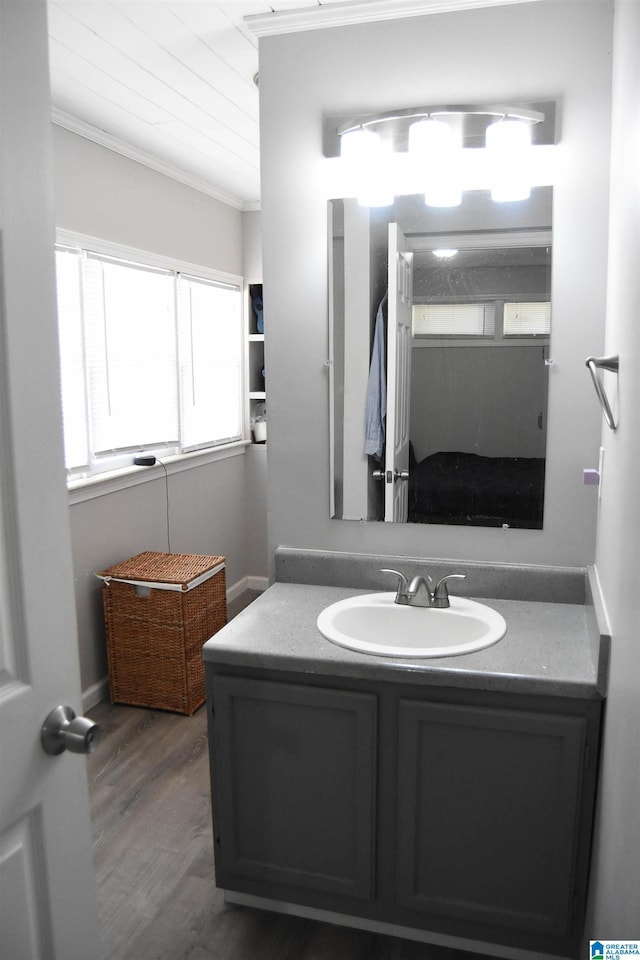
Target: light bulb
365	152
435	149
359	144
508	145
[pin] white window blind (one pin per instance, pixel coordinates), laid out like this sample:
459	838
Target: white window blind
131	355
527	319
210	325
454	319
150	358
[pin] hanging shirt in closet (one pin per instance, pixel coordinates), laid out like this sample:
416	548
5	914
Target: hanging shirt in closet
376	405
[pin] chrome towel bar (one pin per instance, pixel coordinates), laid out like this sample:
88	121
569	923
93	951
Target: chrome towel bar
604	363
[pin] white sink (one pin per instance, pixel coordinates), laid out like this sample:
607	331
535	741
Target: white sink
375	624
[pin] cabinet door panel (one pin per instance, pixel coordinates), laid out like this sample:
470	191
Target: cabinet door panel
295	771
488	807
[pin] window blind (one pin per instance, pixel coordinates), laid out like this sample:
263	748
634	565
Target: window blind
454	319
527	319
131	355
151	358
210	351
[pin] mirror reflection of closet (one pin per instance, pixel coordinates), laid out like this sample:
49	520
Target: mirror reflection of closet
479	359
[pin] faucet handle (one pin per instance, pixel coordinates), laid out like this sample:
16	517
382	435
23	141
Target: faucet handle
403	583
441	593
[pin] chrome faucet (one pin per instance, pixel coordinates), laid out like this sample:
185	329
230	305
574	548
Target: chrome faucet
419	592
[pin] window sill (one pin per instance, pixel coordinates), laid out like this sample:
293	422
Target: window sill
90	488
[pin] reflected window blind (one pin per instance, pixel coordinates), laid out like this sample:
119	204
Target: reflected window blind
454	319
527	319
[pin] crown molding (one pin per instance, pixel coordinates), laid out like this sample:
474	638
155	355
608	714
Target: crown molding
107	140
357	11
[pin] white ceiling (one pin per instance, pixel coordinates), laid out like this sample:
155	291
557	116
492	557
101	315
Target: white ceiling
171	82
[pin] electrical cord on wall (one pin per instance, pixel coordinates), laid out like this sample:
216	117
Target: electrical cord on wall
149	460
166	490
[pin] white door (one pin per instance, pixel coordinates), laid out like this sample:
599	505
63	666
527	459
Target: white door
47	884
396	468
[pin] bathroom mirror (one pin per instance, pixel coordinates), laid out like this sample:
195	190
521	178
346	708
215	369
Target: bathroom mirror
466	420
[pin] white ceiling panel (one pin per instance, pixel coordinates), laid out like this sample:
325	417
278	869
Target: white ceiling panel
170	82
77	75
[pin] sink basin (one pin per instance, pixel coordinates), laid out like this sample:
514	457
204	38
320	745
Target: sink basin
375	624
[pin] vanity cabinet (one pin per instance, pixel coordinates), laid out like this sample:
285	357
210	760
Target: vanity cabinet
295	786
464	814
488	808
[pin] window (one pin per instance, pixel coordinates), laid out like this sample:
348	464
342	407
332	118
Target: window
454	319
151	358
527	319
493	320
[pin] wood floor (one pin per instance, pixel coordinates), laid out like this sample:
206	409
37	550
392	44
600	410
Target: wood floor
149	788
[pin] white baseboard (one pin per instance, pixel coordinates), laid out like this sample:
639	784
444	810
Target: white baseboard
95	693
100	690
246	583
258	583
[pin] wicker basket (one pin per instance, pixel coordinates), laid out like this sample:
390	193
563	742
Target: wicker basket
160	608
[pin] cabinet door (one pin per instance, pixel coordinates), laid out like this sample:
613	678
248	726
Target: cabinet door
294	786
488	811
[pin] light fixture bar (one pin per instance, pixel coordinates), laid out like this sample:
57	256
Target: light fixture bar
471	119
416	113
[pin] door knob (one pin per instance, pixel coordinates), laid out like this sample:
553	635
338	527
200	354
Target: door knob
389	477
62	730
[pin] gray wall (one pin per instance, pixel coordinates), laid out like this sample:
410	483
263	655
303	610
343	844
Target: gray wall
615	891
101	193
218	508
251	246
536	51
484	400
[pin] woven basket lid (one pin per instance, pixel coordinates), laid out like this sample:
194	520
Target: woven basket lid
179	568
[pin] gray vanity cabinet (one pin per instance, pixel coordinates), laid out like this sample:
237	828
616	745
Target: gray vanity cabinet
488	802
295	784
464	813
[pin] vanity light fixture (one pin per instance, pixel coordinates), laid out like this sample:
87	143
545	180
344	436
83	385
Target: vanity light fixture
444	253
424	150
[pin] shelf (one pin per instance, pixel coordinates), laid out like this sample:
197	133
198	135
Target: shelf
255	356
